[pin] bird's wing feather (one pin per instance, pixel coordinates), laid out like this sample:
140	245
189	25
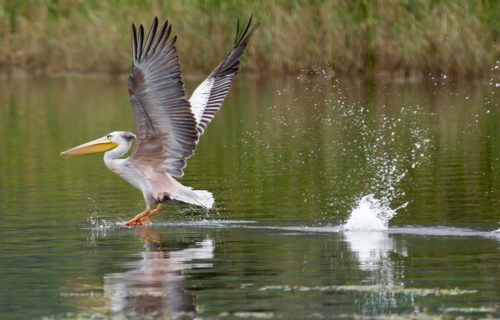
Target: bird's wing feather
207	98
166	127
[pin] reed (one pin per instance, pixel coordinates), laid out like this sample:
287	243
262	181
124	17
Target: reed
453	37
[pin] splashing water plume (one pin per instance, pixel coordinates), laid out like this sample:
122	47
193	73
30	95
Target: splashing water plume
370	214
389	163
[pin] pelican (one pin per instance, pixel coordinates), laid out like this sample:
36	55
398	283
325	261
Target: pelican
168	125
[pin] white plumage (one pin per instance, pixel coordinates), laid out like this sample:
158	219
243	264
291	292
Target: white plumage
168	125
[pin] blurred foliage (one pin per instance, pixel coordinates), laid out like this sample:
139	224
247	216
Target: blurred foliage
344	36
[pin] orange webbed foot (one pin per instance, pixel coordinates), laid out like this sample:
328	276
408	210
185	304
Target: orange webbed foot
140	219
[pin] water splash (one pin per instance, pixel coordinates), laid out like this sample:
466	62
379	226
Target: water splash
99	227
495	234
371	214
99	224
392	148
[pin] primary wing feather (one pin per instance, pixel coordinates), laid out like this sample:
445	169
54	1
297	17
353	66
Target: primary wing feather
166	127
207	98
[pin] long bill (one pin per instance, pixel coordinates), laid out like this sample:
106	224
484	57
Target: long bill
99	145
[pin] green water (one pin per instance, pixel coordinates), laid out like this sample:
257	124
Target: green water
287	161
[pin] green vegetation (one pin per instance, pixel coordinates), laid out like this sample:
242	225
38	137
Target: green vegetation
454	37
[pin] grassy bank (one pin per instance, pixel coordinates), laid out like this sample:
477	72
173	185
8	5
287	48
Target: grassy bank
345	36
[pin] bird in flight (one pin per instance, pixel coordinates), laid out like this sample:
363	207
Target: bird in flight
168	125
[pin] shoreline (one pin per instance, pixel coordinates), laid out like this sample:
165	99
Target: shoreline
381	76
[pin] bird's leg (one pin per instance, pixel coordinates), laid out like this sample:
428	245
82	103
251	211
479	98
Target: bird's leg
137	220
143	218
146	219
155	210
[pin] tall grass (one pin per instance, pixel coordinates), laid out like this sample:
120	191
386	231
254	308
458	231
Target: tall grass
455	37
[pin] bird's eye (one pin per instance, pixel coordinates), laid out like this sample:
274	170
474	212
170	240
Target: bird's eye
109	136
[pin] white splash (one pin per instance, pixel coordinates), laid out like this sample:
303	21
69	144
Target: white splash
370	214
389	158
494	234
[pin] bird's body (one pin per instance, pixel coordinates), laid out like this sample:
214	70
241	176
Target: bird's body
157	187
168	125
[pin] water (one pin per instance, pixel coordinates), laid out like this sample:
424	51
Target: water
334	198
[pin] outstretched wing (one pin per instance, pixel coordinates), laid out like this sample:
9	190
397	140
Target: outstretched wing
166	127
207	98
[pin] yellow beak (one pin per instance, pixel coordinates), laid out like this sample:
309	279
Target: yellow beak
100	145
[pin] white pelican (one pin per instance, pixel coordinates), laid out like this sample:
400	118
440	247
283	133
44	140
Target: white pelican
168	124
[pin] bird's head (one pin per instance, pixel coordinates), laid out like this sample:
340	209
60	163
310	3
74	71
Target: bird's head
108	142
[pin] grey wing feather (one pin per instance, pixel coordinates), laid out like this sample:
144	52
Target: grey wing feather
166	128
207	98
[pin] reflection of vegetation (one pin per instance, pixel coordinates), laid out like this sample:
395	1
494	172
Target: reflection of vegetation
279	155
273	154
452	37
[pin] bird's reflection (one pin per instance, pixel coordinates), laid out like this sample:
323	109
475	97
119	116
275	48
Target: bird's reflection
154	285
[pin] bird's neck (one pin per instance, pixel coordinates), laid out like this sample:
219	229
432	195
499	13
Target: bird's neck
116	152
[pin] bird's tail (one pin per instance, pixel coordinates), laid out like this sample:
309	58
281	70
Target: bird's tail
201	198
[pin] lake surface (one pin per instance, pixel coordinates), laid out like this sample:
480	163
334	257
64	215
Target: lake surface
289	161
